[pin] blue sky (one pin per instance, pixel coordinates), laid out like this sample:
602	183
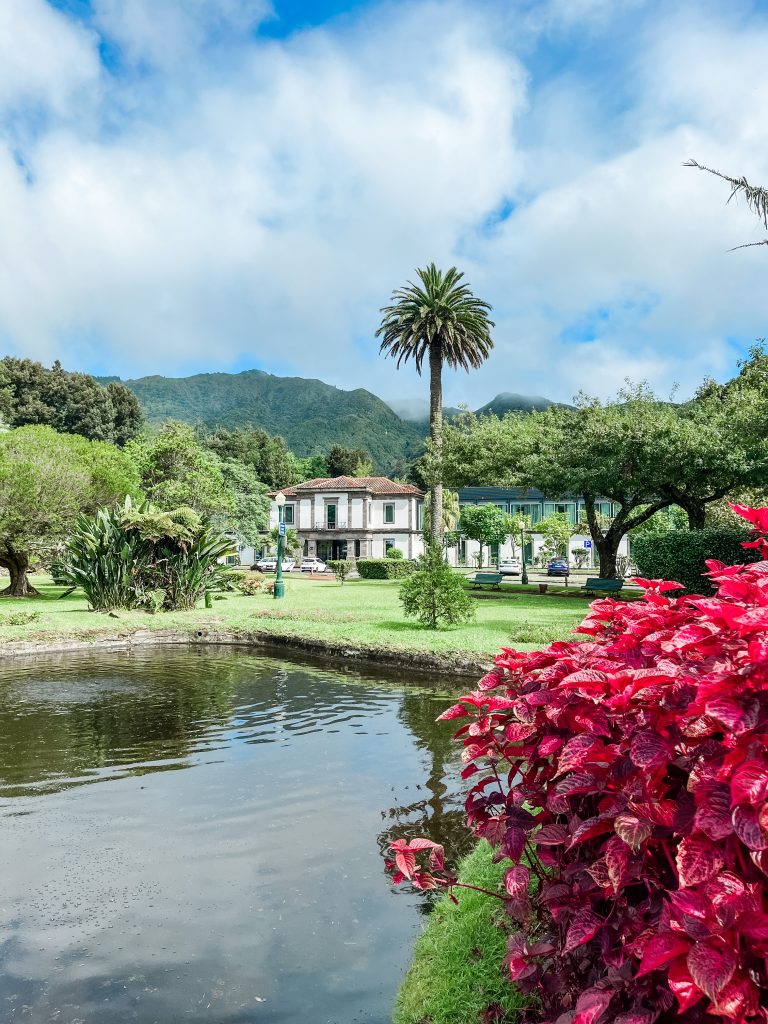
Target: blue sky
198	185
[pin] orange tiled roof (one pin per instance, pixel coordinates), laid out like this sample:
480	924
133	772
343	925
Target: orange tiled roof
374	484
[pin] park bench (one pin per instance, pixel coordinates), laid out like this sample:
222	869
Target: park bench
490	579
598	586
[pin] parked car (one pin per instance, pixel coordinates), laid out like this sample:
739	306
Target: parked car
510	567
313	565
269	564
558	567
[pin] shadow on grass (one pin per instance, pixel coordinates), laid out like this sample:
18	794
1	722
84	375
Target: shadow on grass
408	626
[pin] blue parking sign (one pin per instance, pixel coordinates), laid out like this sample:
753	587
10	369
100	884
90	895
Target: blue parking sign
281	530
587	543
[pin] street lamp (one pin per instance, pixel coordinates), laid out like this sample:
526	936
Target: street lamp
524	573
279	584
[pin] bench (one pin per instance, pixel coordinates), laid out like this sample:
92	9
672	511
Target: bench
598	586
490	579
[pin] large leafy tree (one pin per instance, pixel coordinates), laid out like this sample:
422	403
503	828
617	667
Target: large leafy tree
71	403
250	511
438	319
46	480
177	470
642	454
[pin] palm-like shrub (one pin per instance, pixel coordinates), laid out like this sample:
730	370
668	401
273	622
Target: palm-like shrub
123	556
435	594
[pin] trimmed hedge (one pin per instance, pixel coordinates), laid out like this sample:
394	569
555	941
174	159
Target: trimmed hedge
384	568
682	555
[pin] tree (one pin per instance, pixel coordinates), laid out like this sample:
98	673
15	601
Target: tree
435	594
755	195
450	511
267	457
292	543
486	524
71	403
557	531
442	320
250	503
342	461
47	479
176	470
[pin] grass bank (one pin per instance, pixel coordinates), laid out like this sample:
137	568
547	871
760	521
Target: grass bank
360	615
457	966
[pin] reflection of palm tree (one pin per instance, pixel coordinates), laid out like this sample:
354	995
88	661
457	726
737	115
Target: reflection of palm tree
440	819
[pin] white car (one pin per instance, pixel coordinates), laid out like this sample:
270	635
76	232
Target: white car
270	564
313	565
510	567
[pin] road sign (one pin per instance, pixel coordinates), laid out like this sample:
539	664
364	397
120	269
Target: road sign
281	529
587	543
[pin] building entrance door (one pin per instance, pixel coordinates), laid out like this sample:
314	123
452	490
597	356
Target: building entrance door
339	549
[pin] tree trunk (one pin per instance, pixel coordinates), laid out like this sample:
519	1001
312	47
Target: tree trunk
436	436
17	564
607	543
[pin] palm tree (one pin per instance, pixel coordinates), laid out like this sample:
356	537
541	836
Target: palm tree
442	318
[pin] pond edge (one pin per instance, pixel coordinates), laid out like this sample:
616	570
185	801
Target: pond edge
456	664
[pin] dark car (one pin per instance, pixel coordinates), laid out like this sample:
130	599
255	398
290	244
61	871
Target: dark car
558	567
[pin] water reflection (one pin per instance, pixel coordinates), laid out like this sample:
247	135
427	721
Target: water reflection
248	888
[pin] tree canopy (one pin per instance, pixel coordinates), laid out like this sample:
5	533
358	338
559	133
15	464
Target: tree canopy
71	403
342	461
267	457
487	524
46	480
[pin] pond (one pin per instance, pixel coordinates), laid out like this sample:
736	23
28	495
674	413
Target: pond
196	835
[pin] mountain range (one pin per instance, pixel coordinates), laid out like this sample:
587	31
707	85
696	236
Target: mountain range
311	415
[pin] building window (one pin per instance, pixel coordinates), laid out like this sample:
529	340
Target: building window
330	516
532	509
420	516
567	508
288	515
357	549
389	513
388	545
233	560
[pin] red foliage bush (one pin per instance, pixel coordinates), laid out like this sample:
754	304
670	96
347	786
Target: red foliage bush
626	778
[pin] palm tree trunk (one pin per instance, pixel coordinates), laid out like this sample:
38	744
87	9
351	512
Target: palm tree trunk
436	436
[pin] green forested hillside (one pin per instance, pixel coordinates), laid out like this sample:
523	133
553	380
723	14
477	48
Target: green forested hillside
310	415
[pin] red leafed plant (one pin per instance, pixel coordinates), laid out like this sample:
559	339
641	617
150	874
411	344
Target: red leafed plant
626	778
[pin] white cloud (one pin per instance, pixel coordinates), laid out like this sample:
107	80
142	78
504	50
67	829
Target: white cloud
45	57
260	204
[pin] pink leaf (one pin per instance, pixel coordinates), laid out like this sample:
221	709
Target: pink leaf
632	830
684	988
456	711
713	814
749	783
516	881
661	950
591	1004
551	835
584	927
406	861
711	966
648	750
746	825
697	860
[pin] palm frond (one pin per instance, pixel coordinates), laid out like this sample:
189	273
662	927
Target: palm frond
755	196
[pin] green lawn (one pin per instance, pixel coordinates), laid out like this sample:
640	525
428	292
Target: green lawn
457	968
361	613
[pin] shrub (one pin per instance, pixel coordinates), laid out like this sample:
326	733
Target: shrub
251	584
435	594
19	618
682	555
340	567
383	568
394	553
122	557
627	776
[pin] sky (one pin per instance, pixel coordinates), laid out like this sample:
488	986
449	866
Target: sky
199	185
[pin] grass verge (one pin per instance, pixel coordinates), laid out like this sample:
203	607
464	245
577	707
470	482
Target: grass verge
457	966
361	614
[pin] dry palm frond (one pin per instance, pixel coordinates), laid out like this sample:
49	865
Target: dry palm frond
755	195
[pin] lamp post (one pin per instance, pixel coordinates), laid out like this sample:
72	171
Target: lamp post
524	573
279	584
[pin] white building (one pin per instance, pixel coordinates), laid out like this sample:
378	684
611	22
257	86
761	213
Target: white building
353	517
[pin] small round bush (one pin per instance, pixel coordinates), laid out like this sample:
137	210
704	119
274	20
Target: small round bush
251	584
395	554
435	594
